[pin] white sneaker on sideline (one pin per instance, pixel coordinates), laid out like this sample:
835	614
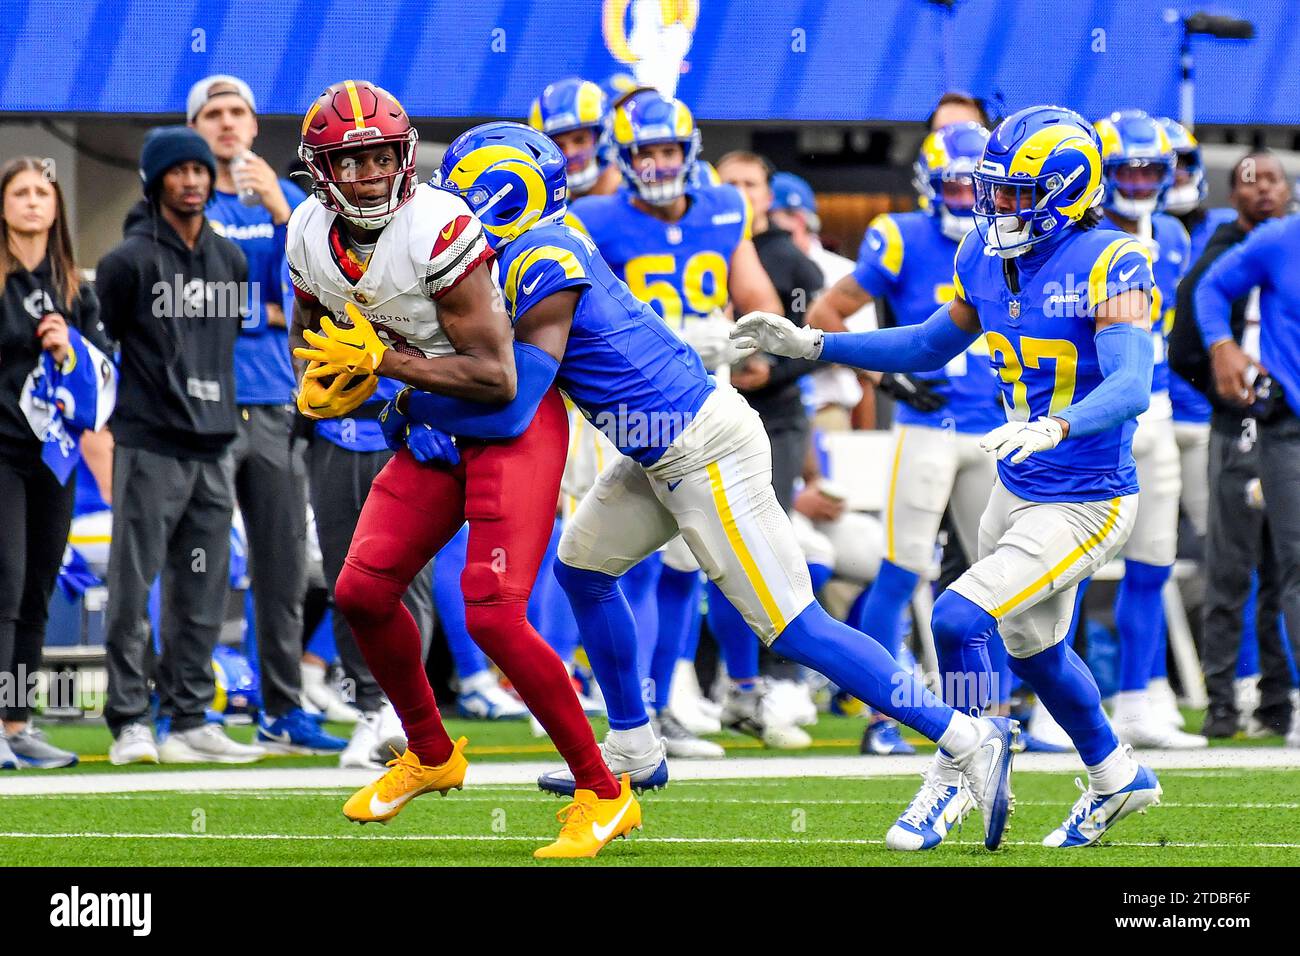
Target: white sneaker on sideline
680	742
483	698
1044	726
749	713
1164	702
792	700
134	744
693	710
323	698
392	736
207	743
363	746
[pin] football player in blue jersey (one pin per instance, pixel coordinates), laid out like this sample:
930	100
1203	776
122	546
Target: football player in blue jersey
695	459
905	264
1064	306
687	252
1138	167
575	114
1185	197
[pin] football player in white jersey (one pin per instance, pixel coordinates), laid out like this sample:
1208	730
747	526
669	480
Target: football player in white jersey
401	261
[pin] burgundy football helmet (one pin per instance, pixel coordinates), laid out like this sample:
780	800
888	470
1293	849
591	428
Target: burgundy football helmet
350	115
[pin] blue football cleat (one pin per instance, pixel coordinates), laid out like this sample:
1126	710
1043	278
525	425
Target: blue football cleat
932	814
988	773
1095	813
883	738
647	771
297	732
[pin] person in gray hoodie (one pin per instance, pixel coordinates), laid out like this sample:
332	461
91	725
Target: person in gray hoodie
173	294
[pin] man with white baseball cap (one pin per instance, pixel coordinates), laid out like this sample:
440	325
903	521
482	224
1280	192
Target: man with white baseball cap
251	207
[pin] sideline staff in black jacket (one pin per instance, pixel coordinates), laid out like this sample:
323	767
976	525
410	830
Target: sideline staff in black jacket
1237	539
172	294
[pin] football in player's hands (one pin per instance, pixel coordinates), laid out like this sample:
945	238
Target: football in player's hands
766	332
1019	440
330	391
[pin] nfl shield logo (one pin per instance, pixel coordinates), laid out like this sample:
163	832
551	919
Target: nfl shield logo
361	298
1013	309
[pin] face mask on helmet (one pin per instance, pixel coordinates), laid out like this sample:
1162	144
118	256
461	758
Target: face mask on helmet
341	182
1134	188
956	205
657	182
1014	216
1188	190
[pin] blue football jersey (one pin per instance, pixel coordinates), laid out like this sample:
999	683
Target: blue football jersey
907	261
628	373
678	268
1170	260
1041	344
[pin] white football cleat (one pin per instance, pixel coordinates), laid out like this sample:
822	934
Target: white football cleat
207	743
987	770
941	804
647	771
1094	813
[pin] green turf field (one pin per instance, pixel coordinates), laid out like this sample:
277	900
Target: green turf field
1209	817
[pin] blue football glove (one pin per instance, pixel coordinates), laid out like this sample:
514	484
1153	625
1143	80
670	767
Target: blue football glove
393	424
432	446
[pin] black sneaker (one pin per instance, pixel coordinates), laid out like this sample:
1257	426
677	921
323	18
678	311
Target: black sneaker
1221	725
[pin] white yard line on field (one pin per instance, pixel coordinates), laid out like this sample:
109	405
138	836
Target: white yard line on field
496	837
739	770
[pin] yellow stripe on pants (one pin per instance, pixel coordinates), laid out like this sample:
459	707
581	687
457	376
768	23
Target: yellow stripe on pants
889	506
742	552
1106	528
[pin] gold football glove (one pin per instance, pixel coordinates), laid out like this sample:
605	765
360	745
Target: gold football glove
358	349
328	391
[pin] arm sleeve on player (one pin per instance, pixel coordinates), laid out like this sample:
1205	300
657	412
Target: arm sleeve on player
1126	357
880	260
1233	274
926	347
535	372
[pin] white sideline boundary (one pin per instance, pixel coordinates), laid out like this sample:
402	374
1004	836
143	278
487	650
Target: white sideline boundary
35	783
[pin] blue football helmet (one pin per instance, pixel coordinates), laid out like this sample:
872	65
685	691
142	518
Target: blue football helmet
1041	171
1137	163
1190	188
510	175
646	119
949	155
574	104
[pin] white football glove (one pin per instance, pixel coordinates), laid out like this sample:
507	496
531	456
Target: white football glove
1022	439
709	337
765	332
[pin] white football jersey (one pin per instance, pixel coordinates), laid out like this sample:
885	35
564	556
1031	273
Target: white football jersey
431	243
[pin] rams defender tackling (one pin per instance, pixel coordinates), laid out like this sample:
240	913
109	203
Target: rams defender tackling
697	461
1064	306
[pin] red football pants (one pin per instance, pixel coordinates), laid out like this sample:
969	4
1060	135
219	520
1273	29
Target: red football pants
507	491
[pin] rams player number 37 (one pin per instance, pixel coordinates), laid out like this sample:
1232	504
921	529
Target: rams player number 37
1074	360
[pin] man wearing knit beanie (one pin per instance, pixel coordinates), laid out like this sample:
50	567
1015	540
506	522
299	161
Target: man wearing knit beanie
173	295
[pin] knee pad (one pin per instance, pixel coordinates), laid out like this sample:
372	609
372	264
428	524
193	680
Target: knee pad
363	597
958	622
581	583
